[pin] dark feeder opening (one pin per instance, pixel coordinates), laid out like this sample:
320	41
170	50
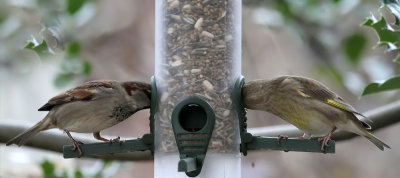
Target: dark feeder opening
192	117
193	122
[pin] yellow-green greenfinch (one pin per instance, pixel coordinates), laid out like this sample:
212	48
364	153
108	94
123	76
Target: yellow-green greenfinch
307	104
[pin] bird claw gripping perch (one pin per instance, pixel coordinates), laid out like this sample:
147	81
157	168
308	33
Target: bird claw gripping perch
115	140
78	147
76	144
326	139
280	137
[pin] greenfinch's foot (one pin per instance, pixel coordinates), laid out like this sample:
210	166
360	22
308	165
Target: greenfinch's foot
282	136
326	139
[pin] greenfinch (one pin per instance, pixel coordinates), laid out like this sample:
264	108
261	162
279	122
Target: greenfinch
307	104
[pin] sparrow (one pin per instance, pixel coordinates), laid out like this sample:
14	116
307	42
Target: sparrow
90	108
307	104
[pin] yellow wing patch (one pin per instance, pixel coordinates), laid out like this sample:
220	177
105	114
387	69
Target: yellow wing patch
303	94
337	104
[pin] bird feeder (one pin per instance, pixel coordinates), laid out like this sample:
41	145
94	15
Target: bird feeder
197	119
198	59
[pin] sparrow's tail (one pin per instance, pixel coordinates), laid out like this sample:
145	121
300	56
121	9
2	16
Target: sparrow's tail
375	140
25	136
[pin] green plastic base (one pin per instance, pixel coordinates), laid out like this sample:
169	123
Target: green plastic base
104	148
301	145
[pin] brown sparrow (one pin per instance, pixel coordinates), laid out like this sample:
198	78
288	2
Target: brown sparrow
90	108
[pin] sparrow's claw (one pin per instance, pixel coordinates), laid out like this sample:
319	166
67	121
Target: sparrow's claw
98	137
282	136
76	144
77	147
115	140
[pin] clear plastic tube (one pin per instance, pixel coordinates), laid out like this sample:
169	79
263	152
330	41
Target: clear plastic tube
198	53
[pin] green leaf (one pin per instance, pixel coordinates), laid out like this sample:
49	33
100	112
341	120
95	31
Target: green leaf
106	163
284	8
329	71
390	84
42	49
65	174
78	174
353	47
73	49
394	7
73	6
2	18
63	79
29	45
71	69
386	34
383	30
87	67
47	169
397	59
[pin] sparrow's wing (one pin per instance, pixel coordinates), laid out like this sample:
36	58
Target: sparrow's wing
84	92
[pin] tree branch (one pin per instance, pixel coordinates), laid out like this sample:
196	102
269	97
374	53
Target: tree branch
54	141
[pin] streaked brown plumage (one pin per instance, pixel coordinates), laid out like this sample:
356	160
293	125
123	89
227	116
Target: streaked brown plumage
307	104
90	108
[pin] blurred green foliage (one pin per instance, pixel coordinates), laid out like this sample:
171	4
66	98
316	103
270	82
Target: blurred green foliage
354	46
394	7
318	25
390	84
41	49
313	21
78	174
54	40
389	36
74	5
330	35
72	66
49	170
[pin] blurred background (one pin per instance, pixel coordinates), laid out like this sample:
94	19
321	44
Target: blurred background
49	46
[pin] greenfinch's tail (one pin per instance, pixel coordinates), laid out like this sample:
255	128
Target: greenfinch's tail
376	141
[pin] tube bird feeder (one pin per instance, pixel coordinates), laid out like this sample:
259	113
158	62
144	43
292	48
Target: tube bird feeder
198	60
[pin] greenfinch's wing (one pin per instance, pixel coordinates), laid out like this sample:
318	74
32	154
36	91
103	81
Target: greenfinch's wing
334	100
313	89
328	97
